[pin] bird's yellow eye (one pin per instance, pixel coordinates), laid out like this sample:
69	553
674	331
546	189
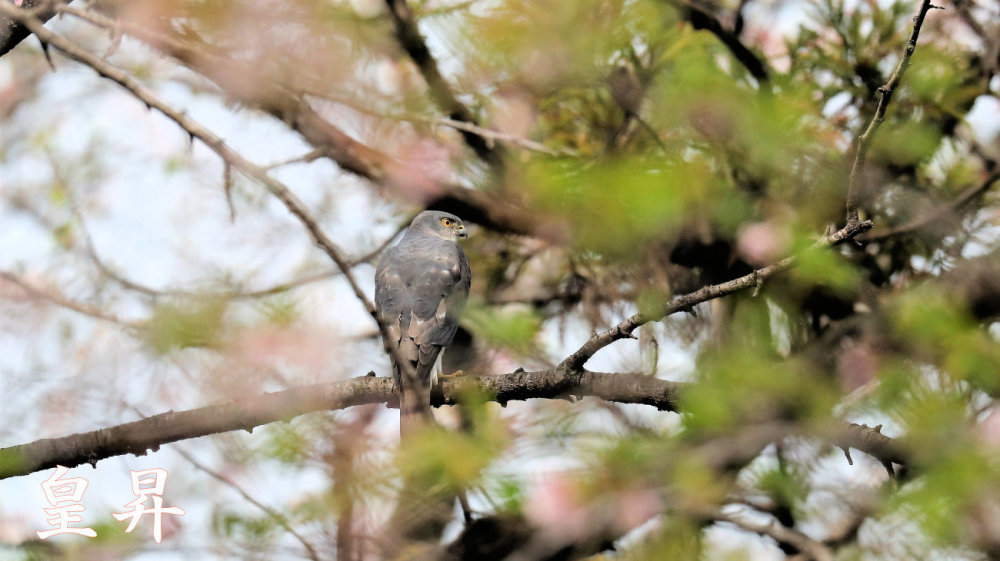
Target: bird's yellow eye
446	221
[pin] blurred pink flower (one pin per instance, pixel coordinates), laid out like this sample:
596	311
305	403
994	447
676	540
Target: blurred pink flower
267	346
761	243
636	506
555	506
514	113
424	166
857	365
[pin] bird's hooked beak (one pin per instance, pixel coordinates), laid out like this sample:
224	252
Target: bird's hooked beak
462	232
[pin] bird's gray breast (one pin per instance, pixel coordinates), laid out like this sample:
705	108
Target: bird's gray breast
421	285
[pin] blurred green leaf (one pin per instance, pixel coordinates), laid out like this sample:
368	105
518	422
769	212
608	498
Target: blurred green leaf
824	267
429	456
510	327
616	206
179	326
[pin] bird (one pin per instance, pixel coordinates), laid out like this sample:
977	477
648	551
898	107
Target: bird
421	287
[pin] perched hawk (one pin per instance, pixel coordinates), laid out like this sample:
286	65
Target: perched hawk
421	285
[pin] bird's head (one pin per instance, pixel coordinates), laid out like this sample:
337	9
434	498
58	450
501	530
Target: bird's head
440	224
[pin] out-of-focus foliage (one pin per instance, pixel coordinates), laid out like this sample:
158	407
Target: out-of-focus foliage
644	160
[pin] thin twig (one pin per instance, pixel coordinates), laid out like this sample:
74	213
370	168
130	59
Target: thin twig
311	156
490	134
229	156
63	302
151	292
687	302
288	106
885	95
279	519
939	213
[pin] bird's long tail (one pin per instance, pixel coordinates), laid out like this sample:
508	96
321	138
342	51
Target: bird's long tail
414	404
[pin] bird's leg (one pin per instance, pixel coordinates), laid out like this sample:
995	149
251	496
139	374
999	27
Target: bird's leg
454	374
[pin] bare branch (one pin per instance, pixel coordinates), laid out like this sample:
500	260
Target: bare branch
941	212
150	433
408	35
885	95
687	302
871	441
311	156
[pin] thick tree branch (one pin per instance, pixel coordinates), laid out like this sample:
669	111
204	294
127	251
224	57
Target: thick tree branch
885	95
408	35
12	31
150	433
686	302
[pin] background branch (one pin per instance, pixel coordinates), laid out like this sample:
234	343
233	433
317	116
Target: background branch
231	158
278	518
941	212
349	154
12	31
703	19
408	35
63	302
803	543
686	302
885	95
293	109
